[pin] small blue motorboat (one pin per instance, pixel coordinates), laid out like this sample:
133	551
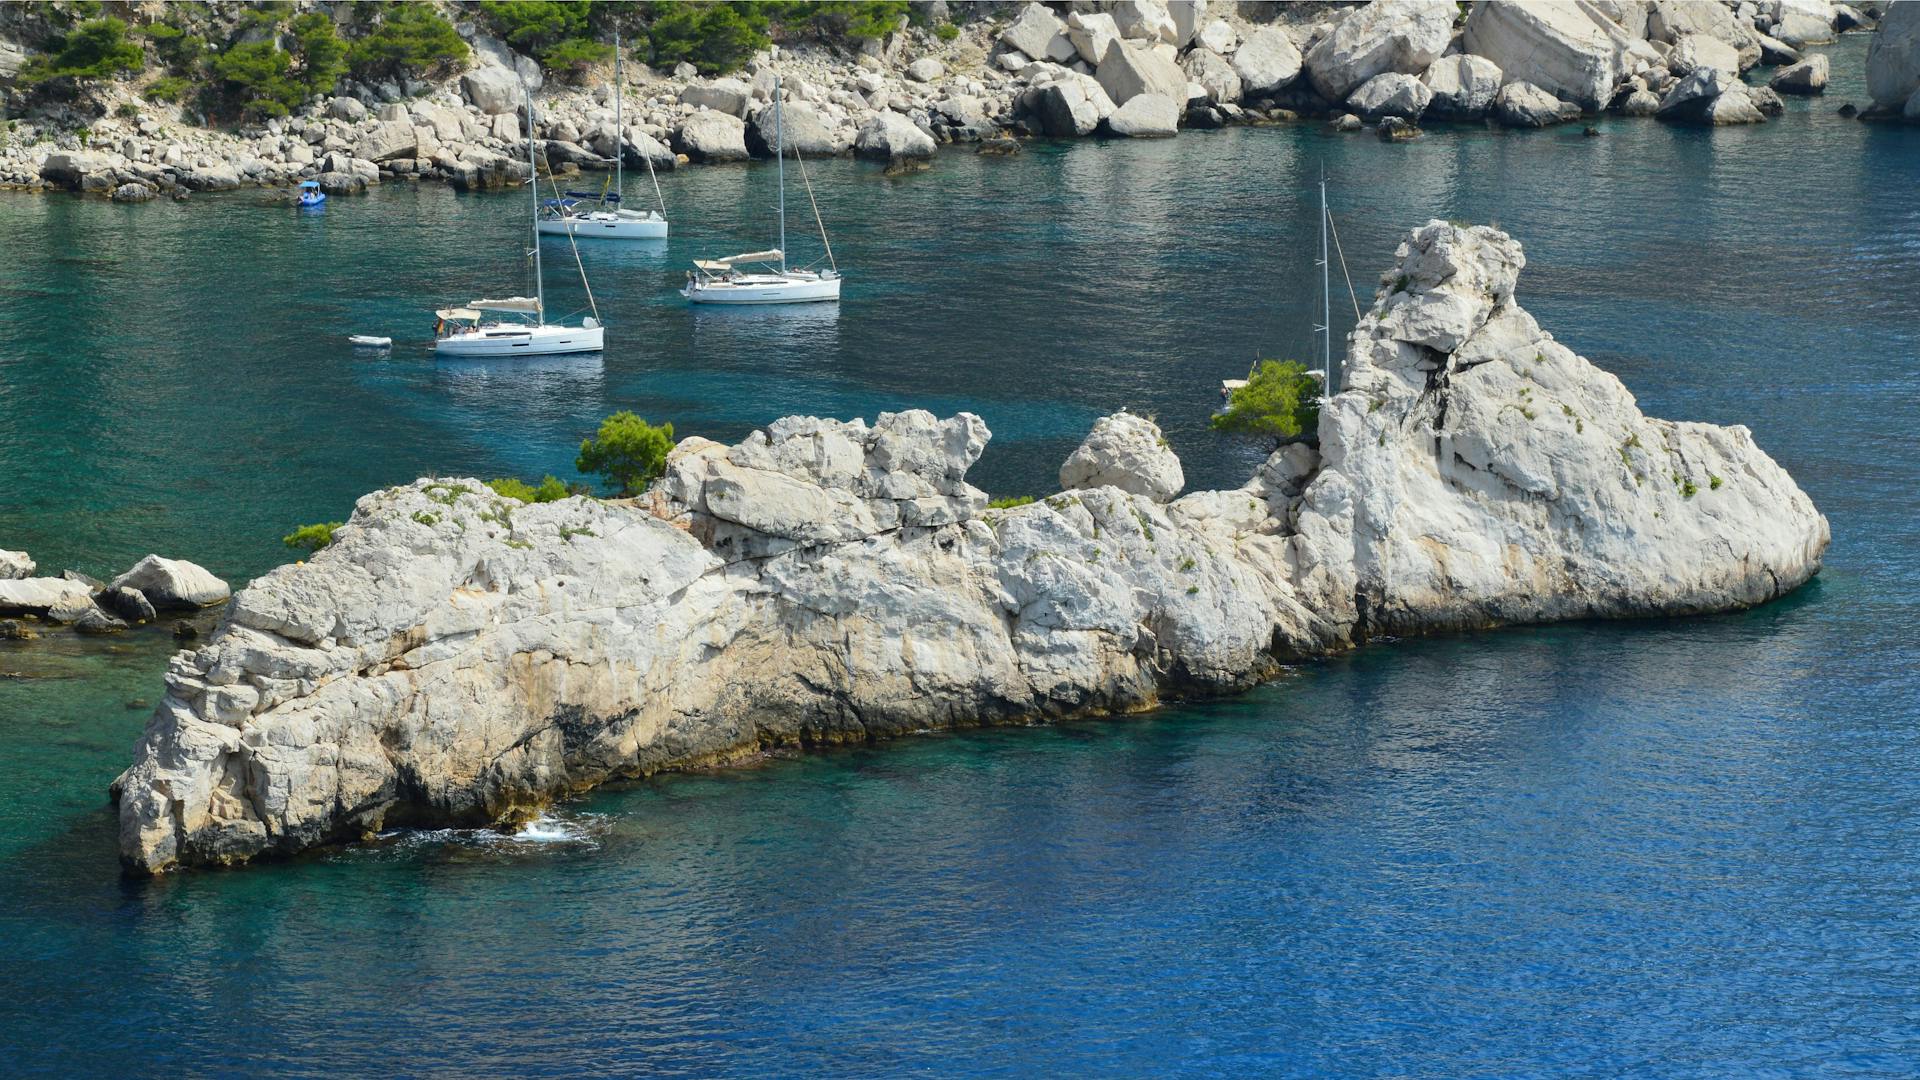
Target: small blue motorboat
310	193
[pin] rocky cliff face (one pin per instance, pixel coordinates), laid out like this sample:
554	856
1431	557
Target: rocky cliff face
457	656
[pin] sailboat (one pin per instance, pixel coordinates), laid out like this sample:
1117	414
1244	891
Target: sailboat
763	277
569	214
517	325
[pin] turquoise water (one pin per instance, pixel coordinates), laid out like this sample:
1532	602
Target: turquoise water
1663	848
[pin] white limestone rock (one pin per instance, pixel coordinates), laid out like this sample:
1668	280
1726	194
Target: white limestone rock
1391	94
1893	57
1522	104
730	96
1146	116
1188	18
492	89
1214	74
1267	62
1807	77
1462	85
1220	37
1383	36
1070	106
15	564
173	583
1129	70
1144	20
1552	44
1091	33
1695	51
1038	34
892	137
39	595
710	136
1128	452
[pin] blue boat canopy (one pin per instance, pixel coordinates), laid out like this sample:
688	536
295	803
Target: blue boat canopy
314	184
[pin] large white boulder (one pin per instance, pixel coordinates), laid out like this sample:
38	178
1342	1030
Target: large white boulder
710	136
1391	94
39	595
1695	51
1801	23
388	140
1809	76
1383	36
1144	20
1091	33
1893	57
1214	74
1145	116
1039	35
1522	104
1462	85
892	137
1267	62
1219	36
1712	96
1188	18
492	89
1128	452
173	583
1551	44
1129	70
730	96
803	129
1069	106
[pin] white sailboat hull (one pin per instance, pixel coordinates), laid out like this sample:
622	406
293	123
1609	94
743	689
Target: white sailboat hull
509	340
606	227
764	289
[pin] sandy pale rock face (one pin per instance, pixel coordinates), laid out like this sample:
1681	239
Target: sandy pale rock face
460	657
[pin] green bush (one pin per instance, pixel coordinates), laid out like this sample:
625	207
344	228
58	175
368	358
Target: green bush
714	37
167	88
95	50
1009	502
536	27
628	452
411	38
263	80
126	110
1278	402
311	537
551	488
946	31
574	55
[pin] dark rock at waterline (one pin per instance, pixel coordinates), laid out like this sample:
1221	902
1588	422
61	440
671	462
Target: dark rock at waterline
1849	110
95	621
185	631
129	604
999	147
1395	129
1205	118
15	630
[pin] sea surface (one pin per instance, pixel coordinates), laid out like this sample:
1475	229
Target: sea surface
1686	848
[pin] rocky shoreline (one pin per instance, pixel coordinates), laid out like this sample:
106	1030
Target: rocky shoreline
458	657
1132	68
31	602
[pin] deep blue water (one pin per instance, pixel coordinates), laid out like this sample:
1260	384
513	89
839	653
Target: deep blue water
1663	848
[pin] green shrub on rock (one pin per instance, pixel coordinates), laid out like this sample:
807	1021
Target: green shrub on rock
311	537
628	452
97	49
262	80
714	37
1278	402
551	488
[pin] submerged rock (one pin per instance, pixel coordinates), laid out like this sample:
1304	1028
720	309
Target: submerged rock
459	657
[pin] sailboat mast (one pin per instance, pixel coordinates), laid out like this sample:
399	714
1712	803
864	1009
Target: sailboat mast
619	133
533	184
780	153
1326	297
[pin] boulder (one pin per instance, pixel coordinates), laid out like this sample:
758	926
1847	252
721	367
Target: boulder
1091	33
1893	57
1127	452
71	168
217	177
493	90
341	183
1267	62
1188	17
1220	37
1145	116
1777	52
892	137
1522	104
1807	77
1038	34
1763	98
40	595
1404	36
711	136
128	603
15	630
1348	122
1638	103
1695	51
926	69
95	621
1693	99
1740	106
1067	107
1144	20
1462	85
730	96
173	583
133	193
1801	23
1550	44
15	564
804	129
1214	74
349	109
1391	94
388	140
1129	70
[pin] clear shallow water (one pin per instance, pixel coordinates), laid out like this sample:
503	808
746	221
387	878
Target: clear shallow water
1658	849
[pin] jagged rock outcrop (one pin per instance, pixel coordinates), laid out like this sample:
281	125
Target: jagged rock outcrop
458	657
1383	36
1551	44
173	583
1127	452
1893	58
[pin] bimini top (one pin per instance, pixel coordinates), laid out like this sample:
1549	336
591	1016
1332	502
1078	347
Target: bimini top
462	313
732	261
314	184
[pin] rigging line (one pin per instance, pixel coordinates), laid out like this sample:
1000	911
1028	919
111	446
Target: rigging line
574	243
824	242
1355	297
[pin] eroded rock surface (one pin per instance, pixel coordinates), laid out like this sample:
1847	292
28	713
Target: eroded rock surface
459	657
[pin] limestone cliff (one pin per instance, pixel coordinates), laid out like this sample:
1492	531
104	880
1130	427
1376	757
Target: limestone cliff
459	657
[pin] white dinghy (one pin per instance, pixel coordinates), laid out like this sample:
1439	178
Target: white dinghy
763	277
517	325
590	216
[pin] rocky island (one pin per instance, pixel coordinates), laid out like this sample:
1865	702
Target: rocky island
458	657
